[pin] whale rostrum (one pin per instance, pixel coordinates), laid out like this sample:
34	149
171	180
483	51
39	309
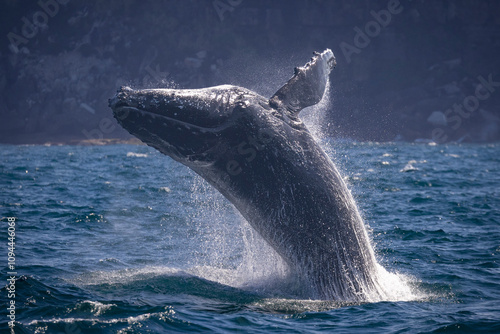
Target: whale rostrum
259	154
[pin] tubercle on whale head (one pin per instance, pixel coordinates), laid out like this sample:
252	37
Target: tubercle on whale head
120	96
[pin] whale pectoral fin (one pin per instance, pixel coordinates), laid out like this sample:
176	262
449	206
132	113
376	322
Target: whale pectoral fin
307	86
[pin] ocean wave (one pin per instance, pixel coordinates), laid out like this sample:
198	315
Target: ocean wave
137	155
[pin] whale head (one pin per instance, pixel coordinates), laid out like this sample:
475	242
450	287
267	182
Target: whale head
193	126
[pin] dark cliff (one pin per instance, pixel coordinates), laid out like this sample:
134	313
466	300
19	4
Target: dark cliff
406	70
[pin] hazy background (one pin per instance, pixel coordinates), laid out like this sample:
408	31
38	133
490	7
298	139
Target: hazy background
418	73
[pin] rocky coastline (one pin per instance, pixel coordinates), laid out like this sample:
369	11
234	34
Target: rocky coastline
411	71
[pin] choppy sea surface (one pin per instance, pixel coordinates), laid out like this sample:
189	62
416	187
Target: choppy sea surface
121	239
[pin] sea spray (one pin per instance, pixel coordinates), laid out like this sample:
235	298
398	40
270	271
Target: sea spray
229	250
388	286
316	116
214	227
292	195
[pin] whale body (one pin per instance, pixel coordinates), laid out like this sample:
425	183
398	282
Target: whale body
259	154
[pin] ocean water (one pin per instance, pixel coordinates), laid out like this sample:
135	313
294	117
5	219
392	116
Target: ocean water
121	239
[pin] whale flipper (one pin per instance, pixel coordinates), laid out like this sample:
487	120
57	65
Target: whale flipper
307	86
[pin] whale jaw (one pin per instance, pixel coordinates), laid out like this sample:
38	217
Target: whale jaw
184	124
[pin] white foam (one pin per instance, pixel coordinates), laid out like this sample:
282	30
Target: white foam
137	155
393	287
165	189
124	276
97	308
93	321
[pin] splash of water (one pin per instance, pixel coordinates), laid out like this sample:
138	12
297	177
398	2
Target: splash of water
315	117
234	254
223	232
231	251
388	286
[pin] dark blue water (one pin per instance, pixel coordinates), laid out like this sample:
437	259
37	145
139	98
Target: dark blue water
122	239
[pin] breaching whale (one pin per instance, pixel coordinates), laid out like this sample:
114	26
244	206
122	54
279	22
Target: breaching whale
259	154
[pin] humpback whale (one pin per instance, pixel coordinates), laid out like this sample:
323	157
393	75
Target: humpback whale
260	155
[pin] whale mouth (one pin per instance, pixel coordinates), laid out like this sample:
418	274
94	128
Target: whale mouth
184	142
127	116
129	110
163	120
